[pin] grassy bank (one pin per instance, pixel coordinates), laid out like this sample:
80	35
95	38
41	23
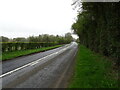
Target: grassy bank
10	55
93	71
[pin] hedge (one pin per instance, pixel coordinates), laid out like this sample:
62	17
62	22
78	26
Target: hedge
13	46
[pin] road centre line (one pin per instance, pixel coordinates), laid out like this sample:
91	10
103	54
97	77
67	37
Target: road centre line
32	63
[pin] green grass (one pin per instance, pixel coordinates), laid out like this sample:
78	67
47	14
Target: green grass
10	55
93	71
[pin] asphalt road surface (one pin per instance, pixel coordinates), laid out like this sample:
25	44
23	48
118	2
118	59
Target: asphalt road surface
49	69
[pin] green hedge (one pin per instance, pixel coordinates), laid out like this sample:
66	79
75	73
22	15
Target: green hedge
13	46
98	28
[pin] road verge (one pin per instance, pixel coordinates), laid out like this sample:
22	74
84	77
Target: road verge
93	71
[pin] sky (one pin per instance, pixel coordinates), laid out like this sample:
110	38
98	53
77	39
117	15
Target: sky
24	18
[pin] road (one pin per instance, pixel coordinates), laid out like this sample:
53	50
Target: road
49	69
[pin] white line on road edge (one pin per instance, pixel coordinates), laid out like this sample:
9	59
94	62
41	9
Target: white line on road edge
32	63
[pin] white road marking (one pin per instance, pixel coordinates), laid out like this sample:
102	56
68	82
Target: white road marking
32	63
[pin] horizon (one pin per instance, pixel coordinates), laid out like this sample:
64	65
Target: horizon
73	35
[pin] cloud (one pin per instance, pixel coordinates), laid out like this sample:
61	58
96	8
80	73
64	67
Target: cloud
33	17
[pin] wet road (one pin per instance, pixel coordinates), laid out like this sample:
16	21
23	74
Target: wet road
50	69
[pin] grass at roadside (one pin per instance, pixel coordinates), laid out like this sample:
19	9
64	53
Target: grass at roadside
10	55
93	71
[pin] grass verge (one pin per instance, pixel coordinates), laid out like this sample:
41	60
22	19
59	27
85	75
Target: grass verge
93	71
14	54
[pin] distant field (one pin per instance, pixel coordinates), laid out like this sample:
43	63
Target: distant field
10	55
93	71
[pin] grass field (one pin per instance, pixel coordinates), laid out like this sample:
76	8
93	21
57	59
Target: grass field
10	55
93	71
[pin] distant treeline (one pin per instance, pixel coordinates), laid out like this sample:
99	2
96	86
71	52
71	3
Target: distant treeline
98	27
34	42
67	38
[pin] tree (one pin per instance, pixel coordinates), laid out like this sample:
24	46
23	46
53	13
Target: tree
68	37
98	27
4	39
19	39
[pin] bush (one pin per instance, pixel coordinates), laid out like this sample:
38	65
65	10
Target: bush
13	46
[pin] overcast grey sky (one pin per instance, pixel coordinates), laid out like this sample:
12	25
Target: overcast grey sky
23	18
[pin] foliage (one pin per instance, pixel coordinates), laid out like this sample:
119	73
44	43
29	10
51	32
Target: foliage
98	27
19	39
33	42
8	46
14	54
41	38
4	39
